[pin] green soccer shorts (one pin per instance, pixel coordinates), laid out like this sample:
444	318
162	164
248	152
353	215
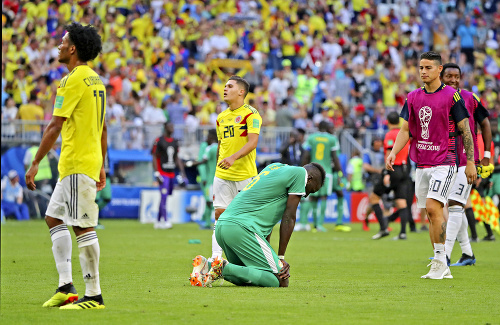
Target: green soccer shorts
326	189
336	186
246	248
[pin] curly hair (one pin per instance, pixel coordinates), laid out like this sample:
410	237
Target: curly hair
86	40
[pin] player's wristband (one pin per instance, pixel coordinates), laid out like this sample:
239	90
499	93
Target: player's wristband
487	154
281	257
157	174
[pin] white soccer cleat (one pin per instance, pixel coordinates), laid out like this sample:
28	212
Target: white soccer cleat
200	269
299	227
438	271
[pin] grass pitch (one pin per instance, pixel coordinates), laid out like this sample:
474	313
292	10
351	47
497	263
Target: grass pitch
336	278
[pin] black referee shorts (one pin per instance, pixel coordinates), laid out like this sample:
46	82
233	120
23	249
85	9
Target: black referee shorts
400	183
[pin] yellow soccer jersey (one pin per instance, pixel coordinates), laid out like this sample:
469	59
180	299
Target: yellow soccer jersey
81	99
232	130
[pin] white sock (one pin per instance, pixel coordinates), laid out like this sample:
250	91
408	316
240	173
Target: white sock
89	260
216	249
463	237
62	248
439	252
453	226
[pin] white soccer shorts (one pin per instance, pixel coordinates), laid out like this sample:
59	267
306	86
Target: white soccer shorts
225	191
73	201
461	189
434	183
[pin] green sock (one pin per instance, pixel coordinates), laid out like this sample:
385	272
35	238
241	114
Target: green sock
322	210
206	215
305	206
315	212
101	204
243	275
340	210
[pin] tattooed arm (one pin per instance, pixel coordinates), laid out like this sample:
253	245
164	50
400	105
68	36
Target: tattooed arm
470	169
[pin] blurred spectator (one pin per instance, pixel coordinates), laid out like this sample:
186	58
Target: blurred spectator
32	114
12	197
291	151
9	115
467	33
177	109
278	87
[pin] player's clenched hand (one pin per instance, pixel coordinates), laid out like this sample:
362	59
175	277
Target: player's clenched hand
284	273
226	163
470	172
30	177
102	180
389	162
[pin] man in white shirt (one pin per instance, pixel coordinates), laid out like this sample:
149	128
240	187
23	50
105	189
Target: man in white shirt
219	43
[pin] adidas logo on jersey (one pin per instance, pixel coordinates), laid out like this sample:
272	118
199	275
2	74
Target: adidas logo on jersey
85	216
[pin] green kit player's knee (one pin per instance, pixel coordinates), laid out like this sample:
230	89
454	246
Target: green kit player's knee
247	276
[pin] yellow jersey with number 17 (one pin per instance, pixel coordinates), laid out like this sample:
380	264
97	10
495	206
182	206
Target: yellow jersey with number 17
233	128
81	99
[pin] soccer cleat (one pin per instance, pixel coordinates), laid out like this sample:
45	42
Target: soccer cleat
474	240
342	228
94	302
320	228
200	269
366	227
489	238
299	227
424	228
438	271
215	272
381	234
447	260
205	226
400	237
465	260
65	294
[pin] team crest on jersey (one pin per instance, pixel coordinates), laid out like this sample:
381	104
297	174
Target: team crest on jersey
425	115
237	119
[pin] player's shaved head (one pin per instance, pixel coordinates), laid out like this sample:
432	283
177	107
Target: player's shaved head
316	170
323	126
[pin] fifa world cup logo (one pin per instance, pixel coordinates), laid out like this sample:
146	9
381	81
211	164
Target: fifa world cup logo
425	115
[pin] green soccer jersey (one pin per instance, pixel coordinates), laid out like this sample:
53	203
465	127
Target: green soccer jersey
321	144
260	205
211	156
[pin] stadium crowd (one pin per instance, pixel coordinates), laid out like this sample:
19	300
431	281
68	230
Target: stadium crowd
350	62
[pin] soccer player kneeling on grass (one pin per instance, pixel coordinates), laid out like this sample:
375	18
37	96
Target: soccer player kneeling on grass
244	229
79	111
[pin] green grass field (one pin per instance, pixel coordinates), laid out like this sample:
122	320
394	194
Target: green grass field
336	278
